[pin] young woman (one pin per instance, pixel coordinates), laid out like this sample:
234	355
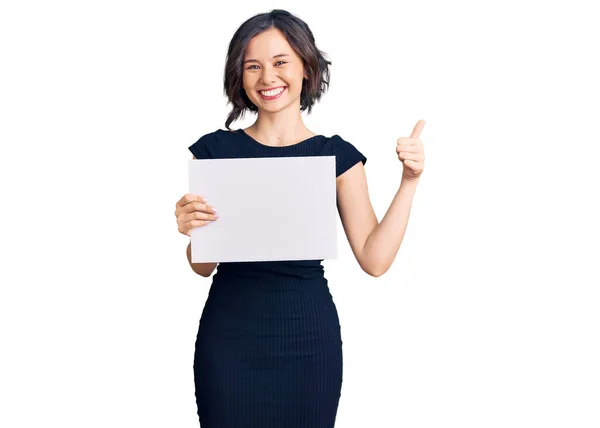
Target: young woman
269	349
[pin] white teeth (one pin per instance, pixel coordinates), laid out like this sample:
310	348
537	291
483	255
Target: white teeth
272	93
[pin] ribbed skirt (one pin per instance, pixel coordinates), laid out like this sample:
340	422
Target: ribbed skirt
268	354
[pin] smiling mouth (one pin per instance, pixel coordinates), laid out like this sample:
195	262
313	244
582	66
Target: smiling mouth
272	97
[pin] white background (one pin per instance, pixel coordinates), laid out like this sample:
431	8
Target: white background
487	318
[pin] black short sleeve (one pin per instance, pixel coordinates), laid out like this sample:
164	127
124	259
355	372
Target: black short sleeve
346	155
200	149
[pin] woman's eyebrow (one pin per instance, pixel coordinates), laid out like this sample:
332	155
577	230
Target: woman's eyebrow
276	56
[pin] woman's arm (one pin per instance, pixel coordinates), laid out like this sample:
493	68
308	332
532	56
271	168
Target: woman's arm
374	244
204	269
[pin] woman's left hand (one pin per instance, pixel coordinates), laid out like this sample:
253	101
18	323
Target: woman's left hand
411	154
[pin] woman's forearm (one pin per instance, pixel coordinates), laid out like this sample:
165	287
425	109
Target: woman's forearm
383	243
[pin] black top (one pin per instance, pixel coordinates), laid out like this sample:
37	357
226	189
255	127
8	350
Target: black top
222	144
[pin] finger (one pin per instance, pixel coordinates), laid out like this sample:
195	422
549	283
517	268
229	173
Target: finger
412	151
193	207
192	224
411	156
407	141
189	198
407	148
198	215
418	128
404	140
196	223
196	206
185	199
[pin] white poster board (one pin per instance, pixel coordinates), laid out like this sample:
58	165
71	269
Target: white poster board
270	209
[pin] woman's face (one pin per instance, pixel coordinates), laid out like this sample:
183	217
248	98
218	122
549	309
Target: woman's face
263	69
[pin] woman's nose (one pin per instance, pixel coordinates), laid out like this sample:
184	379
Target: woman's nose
267	76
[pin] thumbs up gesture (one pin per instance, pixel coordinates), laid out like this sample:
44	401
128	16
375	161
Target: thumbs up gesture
411	154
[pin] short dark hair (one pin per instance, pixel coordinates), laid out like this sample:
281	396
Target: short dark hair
300	38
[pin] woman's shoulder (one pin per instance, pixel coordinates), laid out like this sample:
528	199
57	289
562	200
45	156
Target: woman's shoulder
346	154
215	144
214	137
206	144
215	133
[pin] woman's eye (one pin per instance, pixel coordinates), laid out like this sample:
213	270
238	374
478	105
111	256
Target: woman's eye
250	68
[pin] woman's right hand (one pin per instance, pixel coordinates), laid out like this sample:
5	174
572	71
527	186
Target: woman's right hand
193	211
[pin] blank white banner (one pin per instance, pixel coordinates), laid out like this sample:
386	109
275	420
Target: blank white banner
270	209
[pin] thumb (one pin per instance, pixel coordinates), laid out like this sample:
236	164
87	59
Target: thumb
418	128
